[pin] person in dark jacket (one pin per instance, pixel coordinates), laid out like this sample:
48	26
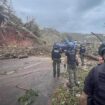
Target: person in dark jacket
94	85
56	57
72	64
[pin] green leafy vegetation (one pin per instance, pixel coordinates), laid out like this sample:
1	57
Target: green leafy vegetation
65	96
28	98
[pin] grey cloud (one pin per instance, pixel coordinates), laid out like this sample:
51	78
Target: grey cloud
84	5
64	15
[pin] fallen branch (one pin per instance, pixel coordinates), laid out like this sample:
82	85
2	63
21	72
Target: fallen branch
25	29
92	57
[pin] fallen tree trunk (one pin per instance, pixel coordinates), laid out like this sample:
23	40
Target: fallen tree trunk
31	35
92	57
23	56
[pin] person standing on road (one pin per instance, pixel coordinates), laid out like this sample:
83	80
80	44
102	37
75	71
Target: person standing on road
56	57
82	53
94	85
72	63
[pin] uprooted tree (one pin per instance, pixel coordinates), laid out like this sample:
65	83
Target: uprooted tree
7	17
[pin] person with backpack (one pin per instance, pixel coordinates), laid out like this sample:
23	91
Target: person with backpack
94	85
56	57
82	53
72	64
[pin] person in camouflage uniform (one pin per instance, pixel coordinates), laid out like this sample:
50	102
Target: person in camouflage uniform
72	64
56	57
82	53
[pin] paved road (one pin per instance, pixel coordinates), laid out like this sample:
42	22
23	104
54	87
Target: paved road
28	73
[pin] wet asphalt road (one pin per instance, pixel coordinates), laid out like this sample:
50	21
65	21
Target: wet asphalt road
28	73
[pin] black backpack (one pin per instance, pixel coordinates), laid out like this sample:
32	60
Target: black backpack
56	54
82	50
71	55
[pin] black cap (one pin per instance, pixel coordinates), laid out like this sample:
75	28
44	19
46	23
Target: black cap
101	50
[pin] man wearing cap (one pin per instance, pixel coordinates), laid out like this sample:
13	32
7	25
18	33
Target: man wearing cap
72	63
94	85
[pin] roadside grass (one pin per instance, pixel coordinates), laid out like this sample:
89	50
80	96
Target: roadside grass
28	98
64	96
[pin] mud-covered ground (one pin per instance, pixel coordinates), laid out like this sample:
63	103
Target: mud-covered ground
28	73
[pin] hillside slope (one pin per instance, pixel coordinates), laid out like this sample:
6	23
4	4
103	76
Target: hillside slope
50	36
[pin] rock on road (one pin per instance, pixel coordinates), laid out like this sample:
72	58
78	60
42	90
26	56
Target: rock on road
28	73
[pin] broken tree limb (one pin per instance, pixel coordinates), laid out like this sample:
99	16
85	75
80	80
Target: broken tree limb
92	57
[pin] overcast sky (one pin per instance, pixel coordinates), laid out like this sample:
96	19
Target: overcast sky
64	15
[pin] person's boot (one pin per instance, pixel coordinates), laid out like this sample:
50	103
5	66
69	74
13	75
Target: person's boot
77	84
68	85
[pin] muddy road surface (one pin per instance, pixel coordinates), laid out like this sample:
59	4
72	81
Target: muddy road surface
28	73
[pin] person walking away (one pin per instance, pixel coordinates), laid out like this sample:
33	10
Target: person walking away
72	63
56	57
82	53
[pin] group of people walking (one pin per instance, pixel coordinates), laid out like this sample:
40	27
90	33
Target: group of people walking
71	62
94	84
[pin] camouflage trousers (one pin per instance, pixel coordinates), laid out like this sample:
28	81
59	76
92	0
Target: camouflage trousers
56	67
72	71
82	59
